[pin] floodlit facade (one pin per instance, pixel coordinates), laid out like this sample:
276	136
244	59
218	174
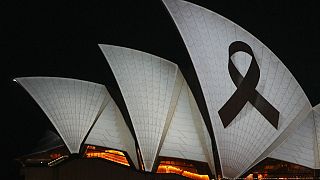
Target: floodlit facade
249	138
301	147
161	106
71	105
277	121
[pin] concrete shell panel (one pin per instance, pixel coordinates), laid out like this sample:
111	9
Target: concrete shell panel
250	137
186	135
299	147
147	84
111	131
316	116
71	105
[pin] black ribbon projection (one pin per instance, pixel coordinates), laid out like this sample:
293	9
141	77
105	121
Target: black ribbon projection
246	90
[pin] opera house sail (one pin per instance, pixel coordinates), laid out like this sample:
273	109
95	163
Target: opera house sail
258	114
250	137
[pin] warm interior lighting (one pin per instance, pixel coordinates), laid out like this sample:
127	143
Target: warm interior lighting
176	170
249	177
58	160
277	169
55	155
91	147
111	155
115	152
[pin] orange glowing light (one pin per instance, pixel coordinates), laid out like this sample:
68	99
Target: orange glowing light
115	152
249	177
172	169
111	155
91	147
55	155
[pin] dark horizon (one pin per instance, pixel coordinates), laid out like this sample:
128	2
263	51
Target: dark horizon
52	39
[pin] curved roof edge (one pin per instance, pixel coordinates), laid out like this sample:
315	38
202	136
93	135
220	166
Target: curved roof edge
38	87
135	50
181	26
104	48
206	9
317	108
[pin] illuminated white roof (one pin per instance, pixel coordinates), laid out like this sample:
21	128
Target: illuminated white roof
186	137
147	84
71	105
316	116
299	147
317	108
250	137
164	113
111	131
303	144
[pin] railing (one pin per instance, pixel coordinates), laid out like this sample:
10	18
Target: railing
57	161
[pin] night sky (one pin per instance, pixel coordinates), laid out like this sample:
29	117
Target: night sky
61	39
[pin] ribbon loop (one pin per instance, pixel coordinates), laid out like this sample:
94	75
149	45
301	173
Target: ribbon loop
246	90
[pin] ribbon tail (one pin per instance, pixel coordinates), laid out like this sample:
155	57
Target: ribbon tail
232	107
265	108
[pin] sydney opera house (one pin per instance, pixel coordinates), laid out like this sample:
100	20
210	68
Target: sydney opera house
241	114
